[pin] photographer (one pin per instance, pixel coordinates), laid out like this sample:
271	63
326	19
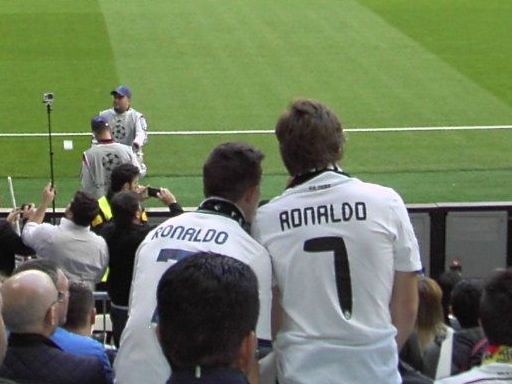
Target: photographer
11	241
125	177
123	235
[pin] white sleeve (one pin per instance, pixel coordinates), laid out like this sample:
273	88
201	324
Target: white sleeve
406	249
135	161
36	235
85	174
141	127
88	178
263	270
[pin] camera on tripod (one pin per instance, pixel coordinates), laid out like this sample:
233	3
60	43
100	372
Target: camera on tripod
48	98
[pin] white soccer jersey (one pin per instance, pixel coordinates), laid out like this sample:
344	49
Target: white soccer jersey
335	243
140	359
128	127
494	373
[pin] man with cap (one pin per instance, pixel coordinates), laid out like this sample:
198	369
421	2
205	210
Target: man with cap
129	126
103	156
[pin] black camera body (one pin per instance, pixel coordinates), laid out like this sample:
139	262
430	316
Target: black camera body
48	98
153	192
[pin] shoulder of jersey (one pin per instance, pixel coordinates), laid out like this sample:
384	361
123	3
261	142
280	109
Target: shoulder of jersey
107	112
379	191
227	224
374	191
135	113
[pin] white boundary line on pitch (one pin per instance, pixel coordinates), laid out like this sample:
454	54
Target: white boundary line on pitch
269	131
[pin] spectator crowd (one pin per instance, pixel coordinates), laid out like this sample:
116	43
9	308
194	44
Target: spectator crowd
322	284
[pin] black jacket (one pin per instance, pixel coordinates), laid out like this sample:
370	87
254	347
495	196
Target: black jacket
122	244
208	376
10	245
36	359
463	343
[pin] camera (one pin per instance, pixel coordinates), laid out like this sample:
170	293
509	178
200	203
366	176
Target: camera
26	206
48	97
152	192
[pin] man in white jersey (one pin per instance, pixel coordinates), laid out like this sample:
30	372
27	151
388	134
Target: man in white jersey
496	319
231	182
103	156
344	258
129	127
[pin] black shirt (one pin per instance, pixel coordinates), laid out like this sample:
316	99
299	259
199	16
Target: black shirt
10	245
208	376
122	245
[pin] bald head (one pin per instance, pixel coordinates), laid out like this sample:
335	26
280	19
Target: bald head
27	297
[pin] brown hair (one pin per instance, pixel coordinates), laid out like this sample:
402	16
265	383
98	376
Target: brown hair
81	303
430	319
310	137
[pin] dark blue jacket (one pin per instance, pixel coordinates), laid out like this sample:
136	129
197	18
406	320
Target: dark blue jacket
36	359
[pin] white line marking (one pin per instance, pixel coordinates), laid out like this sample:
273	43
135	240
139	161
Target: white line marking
270	131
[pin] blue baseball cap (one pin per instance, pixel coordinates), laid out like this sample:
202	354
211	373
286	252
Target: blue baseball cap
122	90
98	123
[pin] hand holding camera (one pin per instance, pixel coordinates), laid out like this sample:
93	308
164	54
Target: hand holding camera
163	194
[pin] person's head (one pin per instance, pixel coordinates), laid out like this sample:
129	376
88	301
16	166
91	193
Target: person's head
121	98
208	308
58	278
496	308
465	301
29	303
233	171
430	310
100	127
310	137
124	177
447	280
126	208
82	209
81	310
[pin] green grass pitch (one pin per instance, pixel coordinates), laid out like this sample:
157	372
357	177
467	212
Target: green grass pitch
237	64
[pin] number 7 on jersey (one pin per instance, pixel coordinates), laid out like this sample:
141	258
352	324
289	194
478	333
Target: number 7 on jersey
341	268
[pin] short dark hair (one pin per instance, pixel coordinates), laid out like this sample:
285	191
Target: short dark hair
496	308
447	280
84	208
50	267
231	169
207	304
124	206
465	301
124	173
81	302
310	137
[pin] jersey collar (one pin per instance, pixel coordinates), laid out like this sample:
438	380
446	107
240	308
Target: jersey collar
105	141
302	178
220	206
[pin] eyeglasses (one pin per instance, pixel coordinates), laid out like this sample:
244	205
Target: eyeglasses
61	296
